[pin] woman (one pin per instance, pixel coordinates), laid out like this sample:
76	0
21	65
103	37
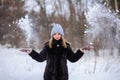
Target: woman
56	52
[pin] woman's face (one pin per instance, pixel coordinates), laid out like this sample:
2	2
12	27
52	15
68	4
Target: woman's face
57	36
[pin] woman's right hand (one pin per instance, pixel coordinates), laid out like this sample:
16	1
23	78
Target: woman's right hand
27	50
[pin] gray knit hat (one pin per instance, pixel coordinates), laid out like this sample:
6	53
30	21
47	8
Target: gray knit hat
57	28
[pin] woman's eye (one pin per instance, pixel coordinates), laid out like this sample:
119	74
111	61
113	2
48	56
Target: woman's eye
57	34
54	34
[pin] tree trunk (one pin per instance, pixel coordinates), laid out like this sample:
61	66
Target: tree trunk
116	6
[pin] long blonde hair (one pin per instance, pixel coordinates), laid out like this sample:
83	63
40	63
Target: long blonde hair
64	41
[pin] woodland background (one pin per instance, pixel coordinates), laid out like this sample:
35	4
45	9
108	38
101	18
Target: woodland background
73	20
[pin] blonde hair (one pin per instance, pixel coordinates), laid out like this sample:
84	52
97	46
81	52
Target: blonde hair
63	42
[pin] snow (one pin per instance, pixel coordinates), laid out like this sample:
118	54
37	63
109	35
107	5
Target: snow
103	23
31	5
26	25
16	65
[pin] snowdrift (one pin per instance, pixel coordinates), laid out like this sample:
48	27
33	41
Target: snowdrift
16	65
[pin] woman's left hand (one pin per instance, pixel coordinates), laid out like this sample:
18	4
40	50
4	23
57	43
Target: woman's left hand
27	50
86	48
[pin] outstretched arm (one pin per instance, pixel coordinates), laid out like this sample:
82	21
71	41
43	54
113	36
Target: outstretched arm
40	57
73	57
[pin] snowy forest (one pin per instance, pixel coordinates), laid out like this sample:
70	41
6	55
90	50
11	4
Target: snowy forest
28	23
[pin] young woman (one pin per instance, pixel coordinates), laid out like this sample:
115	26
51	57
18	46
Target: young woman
56	52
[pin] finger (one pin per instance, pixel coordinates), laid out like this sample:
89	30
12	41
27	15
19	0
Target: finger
23	50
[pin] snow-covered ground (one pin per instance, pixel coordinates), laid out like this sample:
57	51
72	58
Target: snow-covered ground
16	65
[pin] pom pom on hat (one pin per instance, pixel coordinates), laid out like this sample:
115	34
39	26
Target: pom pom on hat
57	28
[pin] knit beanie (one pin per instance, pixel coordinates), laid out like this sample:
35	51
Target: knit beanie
57	28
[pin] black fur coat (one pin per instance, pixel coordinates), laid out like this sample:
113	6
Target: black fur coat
56	59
